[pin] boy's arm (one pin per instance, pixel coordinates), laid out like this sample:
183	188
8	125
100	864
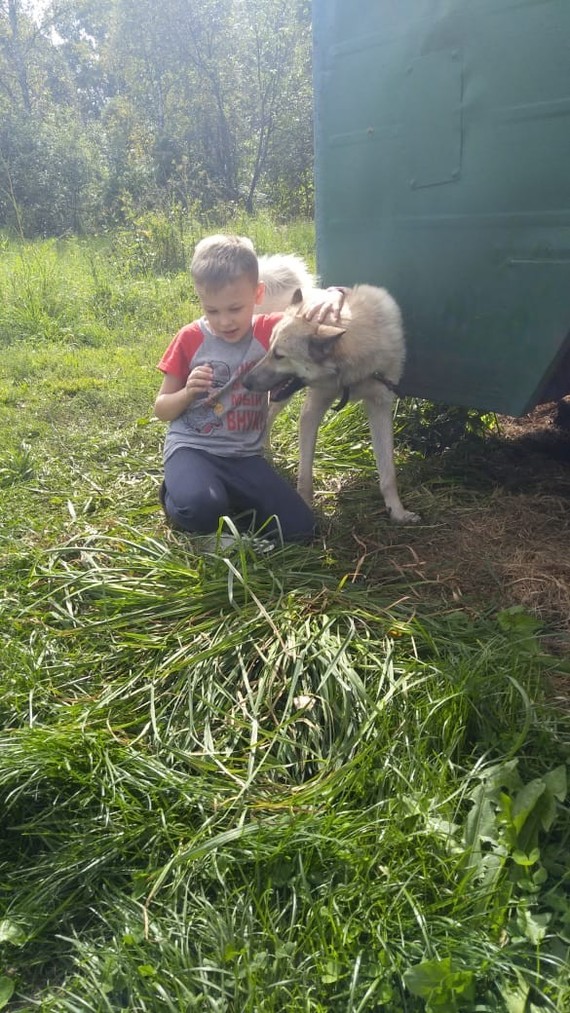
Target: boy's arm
175	395
179	387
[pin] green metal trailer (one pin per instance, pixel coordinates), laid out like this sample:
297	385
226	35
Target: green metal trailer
442	152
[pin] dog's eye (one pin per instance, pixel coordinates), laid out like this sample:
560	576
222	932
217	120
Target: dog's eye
278	355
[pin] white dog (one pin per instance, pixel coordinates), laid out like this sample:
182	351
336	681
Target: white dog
282	274
361	359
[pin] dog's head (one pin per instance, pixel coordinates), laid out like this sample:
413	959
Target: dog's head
302	353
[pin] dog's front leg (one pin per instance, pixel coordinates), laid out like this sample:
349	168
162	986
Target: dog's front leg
314	407
379	410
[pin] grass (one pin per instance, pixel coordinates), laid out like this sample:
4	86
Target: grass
240	784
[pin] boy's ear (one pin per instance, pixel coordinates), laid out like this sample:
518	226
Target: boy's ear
321	345
259	293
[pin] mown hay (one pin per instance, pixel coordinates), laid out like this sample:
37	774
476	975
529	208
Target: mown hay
496	522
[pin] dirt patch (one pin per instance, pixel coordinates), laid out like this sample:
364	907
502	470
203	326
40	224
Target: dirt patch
513	551
497	512
496	529
545	430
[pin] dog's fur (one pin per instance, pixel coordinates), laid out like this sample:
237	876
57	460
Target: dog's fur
329	359
282	274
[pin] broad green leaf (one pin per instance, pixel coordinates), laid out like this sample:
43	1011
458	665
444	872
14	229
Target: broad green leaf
422	979
146	971
516	621
439	983
497	778
331	973
491	866
557	782
481	825
526	800
462	983
521	858
534	926
6	990
516	996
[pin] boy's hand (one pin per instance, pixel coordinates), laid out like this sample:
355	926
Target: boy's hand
327	306
200	380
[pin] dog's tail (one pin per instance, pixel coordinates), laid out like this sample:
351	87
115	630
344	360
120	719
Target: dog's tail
283	274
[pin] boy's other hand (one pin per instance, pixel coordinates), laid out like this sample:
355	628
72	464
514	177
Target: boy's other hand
326	306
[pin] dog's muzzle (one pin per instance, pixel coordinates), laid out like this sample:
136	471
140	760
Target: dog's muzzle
286	388
280	390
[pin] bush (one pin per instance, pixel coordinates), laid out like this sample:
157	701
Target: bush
152	242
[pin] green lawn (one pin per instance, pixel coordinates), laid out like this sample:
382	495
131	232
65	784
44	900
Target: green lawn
308	782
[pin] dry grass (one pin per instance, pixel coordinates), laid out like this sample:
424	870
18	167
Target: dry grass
512	551
497	524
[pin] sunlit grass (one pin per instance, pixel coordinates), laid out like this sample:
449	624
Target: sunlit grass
240	783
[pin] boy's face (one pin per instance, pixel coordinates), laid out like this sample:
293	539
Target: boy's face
229	309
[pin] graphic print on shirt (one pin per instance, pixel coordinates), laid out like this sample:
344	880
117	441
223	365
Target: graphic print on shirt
228	420
248	411
205	418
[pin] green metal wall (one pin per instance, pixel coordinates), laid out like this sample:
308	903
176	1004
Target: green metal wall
443	172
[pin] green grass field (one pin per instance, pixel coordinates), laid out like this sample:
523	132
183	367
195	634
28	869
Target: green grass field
308	782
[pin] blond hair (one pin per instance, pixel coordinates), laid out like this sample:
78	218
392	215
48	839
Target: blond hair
219	260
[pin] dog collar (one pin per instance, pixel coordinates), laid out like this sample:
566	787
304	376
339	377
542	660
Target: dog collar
344	398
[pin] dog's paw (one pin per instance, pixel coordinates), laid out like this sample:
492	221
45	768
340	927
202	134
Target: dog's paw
405	517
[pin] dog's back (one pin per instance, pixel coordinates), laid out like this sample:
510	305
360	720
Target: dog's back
374	333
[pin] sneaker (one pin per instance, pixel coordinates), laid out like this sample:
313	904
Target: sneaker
216	544
262	546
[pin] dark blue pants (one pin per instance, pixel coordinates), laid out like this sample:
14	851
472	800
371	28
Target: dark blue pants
199	488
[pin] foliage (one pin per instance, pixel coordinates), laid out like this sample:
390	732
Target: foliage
113	106
50	178
153	242
430	428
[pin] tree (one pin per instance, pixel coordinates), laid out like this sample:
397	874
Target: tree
190	101
277	48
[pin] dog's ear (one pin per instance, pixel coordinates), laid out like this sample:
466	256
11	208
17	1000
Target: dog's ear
322	343
330	331
297	297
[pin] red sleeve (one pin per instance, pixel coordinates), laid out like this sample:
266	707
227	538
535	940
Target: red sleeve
263	327
177	358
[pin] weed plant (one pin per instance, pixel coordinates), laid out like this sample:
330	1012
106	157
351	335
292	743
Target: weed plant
234	783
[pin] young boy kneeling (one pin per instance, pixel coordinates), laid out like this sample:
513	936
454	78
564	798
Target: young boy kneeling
213	452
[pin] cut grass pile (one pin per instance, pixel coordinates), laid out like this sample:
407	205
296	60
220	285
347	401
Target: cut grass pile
239	785
299	782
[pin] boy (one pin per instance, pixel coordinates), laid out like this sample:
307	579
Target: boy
213	452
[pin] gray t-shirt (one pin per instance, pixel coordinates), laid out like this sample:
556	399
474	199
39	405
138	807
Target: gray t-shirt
230	421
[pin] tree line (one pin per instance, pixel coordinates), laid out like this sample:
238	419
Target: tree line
110	108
